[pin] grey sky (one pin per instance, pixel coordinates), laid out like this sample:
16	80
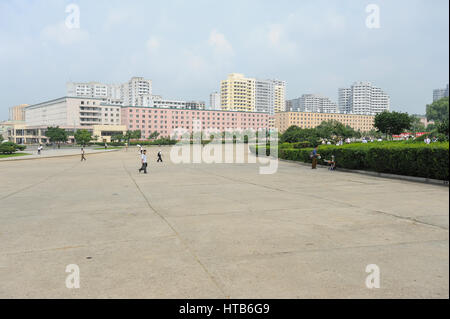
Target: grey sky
187	47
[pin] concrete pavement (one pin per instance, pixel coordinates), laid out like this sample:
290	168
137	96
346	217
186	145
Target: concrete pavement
216	231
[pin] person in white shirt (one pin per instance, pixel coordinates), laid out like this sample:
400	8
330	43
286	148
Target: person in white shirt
144	162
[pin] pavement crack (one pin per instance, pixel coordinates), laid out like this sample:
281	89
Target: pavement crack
188	248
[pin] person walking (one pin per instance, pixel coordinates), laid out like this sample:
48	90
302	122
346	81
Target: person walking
106	146
144	162
39	149
315	156
159	157
83	158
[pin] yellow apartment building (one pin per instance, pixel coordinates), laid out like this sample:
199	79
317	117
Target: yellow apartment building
237	93
284	120
280	96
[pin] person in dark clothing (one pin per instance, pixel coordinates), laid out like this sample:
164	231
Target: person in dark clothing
159	157
83	158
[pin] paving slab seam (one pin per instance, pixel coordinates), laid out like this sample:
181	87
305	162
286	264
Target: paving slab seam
302	251
39	182
80	246
188	248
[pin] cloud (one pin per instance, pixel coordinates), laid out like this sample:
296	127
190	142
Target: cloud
63	35
279	40
220	43
153	44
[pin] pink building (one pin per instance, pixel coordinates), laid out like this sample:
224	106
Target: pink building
165	121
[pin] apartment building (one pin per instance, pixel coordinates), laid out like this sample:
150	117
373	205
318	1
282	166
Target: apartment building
440	93
17	113
214	101
363	98
166	120
312	103
129	93
134	89
239	93
265	96
280	96
284	120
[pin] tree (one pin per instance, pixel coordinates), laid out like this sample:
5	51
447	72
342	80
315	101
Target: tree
442	127
1	138
56	135
131	135
416	124
392	123
153	136
438	110
83	137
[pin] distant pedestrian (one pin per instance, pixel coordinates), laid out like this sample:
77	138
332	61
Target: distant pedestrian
83	158
159	157
106	146
315	155
144	162
39	149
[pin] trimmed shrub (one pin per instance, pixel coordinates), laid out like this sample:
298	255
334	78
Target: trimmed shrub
10	147
402	158
304	144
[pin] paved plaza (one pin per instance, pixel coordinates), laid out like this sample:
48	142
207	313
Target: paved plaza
216	231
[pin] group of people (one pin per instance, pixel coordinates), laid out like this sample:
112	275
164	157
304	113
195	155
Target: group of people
144	161
315	156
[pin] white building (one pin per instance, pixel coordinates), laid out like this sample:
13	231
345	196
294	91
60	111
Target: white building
214	101
135	88
440	93
124	94
312	103
363	98
265	96
72	112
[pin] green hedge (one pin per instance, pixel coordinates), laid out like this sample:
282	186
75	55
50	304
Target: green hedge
410	159
10	148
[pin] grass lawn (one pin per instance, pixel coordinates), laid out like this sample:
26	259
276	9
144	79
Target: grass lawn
13	155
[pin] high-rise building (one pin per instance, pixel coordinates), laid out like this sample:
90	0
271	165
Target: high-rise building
265	96
17	113
363	98
129	93
440	93
237	93
280	96
87	90
312	103
214	101
134	89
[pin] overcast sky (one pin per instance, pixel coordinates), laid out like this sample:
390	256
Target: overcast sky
187	47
